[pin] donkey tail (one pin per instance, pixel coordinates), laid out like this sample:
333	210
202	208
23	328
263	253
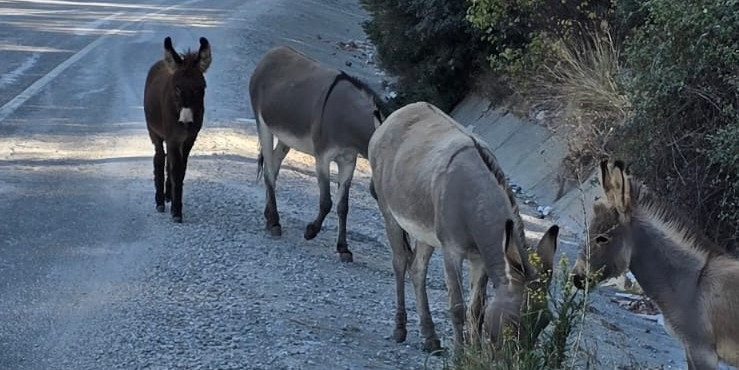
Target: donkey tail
407	240
372	190
260	166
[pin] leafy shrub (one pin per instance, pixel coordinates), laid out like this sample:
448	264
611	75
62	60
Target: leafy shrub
562	56
522	33
550	350
429	45
684	88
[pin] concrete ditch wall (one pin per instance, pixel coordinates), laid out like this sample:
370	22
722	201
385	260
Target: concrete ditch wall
531	156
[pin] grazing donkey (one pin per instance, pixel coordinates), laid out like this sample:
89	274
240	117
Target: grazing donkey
173	105
319	111
692	280
438	183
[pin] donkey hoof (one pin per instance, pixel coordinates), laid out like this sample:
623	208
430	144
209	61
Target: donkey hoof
433	346
160	208
399	334
311	231
275	230
177	219
346	256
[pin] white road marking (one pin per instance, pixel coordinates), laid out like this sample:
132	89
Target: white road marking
11	77
93	26
99	4
15	103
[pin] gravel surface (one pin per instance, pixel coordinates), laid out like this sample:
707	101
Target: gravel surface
91	277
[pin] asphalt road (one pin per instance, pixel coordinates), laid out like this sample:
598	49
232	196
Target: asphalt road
78	234
91	277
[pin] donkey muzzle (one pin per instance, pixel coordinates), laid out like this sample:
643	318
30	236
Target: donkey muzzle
186	116
579	281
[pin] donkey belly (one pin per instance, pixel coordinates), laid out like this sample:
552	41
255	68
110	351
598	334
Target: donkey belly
302	144
423	232
298	138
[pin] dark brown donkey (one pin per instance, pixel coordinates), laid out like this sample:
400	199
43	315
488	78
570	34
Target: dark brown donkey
173	104
319	111
691	279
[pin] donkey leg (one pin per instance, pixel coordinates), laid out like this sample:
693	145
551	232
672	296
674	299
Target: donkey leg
186	153
266	143
402	256
453	274
279	154
701	356
168	180
419	267
324	207
176	169
478	286
346	172
158	172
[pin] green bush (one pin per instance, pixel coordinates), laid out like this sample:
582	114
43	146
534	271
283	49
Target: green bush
429	45
554	348
654	82
725	152
684	89
522	33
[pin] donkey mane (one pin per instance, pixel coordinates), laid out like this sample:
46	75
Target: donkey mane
492	164
190	58
672	221
384	109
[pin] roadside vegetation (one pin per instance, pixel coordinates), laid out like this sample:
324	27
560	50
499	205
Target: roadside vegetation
556	347
654	81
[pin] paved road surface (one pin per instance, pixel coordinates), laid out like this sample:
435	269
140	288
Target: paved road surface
91	277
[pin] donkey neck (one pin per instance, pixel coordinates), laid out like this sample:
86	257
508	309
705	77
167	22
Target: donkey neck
666	265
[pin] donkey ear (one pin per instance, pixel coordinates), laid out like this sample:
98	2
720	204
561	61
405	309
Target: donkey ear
510	249
204	57
547	247
171	58
616	185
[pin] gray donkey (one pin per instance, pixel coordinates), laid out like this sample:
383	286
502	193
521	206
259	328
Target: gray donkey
692	280
438	183
319	111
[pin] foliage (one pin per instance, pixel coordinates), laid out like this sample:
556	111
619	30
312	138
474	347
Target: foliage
684	87
428	45
653	82
522	33
550	350
564	56
586	84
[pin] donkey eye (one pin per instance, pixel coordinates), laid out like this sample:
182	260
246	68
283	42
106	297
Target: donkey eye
601	239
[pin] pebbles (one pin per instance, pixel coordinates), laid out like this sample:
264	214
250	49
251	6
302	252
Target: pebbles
223	294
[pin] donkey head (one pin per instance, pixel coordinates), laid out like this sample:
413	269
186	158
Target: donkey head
609	253
525	292
188	81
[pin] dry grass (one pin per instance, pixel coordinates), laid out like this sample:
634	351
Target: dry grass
582	84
